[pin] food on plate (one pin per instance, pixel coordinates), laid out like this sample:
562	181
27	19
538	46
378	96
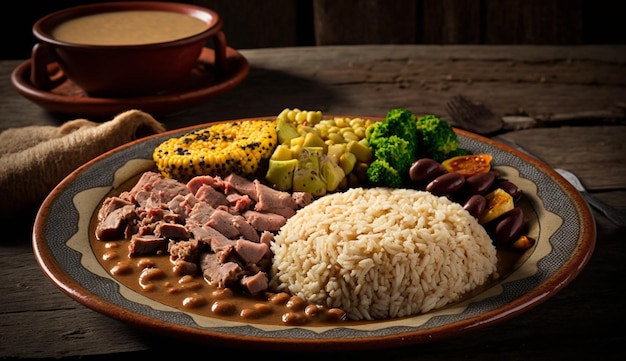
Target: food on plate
437	138
234	147
318	155
381	253
469	164
351	216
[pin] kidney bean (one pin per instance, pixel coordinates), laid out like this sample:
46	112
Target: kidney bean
479	183
509	226
425	169
476	205
510	188
446	184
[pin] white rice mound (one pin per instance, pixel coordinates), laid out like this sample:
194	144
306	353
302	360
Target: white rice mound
380	253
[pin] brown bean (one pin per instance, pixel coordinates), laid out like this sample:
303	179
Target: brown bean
446	184
425	169
509	226
194	301
336	314
121	268
510	188
280	298
296	303
476	205
294	318
479	183
223	308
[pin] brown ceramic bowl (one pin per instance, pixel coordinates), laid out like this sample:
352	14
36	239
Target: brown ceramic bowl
114	70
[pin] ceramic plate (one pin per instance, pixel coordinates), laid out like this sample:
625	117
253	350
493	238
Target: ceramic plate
557	218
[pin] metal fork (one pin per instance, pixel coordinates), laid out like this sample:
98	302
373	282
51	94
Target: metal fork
473	117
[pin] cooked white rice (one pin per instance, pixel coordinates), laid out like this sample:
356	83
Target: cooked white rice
382	253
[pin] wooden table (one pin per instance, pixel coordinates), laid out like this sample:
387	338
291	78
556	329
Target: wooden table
566	104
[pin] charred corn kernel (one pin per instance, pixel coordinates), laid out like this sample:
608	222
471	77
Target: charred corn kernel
220	149
498	203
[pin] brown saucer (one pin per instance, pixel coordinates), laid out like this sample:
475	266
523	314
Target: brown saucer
201	84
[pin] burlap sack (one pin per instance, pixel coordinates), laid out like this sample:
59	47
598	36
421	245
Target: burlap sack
34	159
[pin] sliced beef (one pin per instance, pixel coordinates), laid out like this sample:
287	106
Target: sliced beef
267	237
256	283
188	250
115	224
245	229
200	213
110	204
211	236
219	272
265	221
212	196
224	223
239	203
241	185
182	204
171	231
302	199
250	252
195	183
269	198
146	244
162	189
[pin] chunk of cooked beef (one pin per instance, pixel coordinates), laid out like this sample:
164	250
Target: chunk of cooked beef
182	205
245	229
265	221
146	244
239	203
200	213
219	273
269	198
266	237
114	225
195	183
223	222
171	231
210	236
212	196
110	204
250	252
162	189
188	250
302	199
241	185
256	283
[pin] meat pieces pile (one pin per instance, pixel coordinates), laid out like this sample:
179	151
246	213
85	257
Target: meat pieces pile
221	228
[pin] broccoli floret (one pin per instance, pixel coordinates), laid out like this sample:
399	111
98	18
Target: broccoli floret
436	136
396	151
380	173
394	141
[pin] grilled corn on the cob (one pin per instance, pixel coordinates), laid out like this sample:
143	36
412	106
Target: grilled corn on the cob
218	150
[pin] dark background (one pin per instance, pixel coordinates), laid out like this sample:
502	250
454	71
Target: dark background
277	23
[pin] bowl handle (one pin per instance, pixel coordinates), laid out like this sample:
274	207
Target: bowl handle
219	43
40	76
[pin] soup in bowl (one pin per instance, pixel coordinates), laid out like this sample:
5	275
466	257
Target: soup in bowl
125	49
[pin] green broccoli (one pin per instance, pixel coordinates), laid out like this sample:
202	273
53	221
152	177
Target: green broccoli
393	141
396	151
437	139
382	174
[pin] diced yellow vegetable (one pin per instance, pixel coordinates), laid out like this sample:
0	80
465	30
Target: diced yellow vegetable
498	203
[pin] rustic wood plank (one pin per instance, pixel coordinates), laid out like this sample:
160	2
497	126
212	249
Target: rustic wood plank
451	22
533	22
256	24
365	22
